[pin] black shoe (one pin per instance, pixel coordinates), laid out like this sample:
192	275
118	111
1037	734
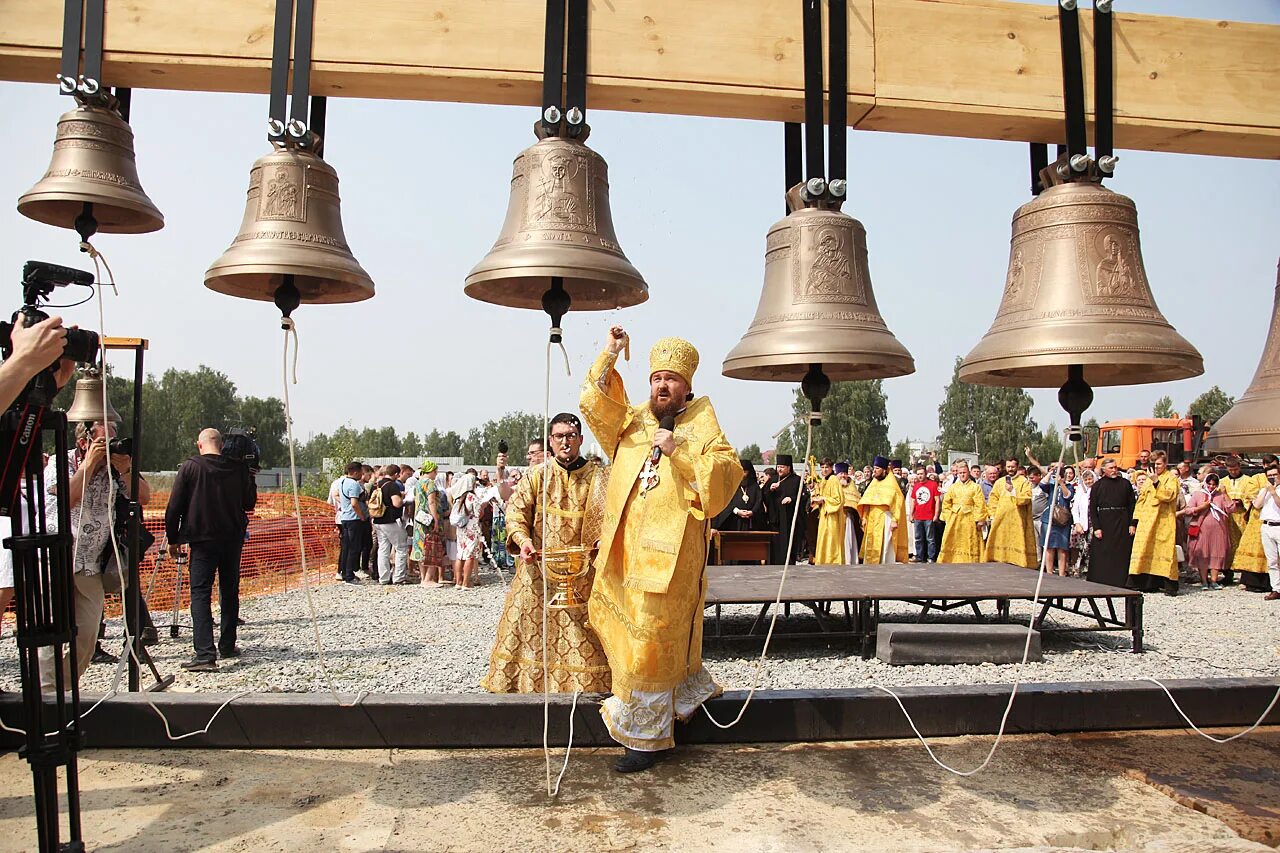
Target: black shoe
634	761
355	581
101	655
197	665
240	622
233	652
150	637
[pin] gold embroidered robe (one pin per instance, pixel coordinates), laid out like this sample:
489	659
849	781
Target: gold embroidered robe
882	500
647	600
1010	539
1238	489
575	658
1156	516
1248	555
963	508
831	524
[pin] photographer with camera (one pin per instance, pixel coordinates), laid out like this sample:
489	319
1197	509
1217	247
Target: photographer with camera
91	466
208	509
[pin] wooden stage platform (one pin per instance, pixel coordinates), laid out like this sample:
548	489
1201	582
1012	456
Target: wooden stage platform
845	600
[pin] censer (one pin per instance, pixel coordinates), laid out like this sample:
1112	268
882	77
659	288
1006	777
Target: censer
817	320
1252	425
1077	308
557	249
291	247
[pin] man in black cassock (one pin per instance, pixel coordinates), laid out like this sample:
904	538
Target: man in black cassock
747	510
1111	503
785	496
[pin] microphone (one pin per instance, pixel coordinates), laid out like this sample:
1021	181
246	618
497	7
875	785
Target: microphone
668	423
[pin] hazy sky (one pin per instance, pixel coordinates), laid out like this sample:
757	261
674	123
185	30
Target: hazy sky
424	189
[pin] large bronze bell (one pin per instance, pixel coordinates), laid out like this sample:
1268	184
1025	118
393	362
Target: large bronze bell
558	225
86	406
292	226
1253	424
93	163
1076	293
817	306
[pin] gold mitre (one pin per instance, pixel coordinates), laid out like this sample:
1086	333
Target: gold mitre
676	355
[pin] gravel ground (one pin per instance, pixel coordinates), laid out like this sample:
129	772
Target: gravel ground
437	640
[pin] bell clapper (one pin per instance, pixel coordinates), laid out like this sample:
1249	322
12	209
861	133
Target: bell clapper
287	297
86	225
816	385
1075	396
556	302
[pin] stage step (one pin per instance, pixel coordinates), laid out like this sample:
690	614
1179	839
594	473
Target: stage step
899	644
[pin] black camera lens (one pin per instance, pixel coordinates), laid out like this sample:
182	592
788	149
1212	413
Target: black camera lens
502	446
82	346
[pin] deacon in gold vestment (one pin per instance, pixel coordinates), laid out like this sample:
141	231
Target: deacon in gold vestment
647	601
1154	563
1240	489
1010	539
884	517
852	495
1250	558
963	513
574	506
829	500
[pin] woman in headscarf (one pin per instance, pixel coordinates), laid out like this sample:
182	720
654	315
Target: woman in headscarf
747	510
428	545
1208	515
1080	518
448	536
464	512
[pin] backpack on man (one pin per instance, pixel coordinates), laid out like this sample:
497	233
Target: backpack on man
375	505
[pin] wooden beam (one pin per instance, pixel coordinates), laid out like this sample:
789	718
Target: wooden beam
974	68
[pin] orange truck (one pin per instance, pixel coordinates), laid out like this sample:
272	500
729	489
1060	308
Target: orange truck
1179	438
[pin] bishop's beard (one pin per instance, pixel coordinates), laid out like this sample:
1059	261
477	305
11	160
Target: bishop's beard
670	407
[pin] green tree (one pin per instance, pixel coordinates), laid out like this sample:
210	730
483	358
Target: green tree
1048	447
902	451
855	423
751	453
785	445
992	422
1211	405
1163	408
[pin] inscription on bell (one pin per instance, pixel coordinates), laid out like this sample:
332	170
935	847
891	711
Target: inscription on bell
283	196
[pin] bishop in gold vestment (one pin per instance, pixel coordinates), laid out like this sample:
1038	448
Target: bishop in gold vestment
647	601
1010	539
575	490
963	510
884	517
1154	562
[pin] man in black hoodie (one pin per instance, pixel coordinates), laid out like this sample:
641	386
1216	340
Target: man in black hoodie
207	510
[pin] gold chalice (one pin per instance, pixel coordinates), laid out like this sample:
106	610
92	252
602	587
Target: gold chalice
564	566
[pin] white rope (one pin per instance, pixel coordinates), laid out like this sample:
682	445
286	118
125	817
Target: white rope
546	694
291	334
777	601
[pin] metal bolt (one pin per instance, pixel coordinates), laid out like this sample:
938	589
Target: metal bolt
1063	170
297	128
816	186
89	86
1107	163
66	85
275	127
1103	6
1068	5
1080	162
839	187
551	115
574	116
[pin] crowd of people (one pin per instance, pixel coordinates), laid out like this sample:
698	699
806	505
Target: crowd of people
1143	527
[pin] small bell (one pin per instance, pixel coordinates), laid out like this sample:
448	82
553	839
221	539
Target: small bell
93	163
86	406
1252	425
817	306
292	227
558	225
1076	293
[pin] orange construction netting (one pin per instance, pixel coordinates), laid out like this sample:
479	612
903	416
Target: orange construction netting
269	563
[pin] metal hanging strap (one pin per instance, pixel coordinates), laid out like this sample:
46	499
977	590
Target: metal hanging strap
813	167
838	99
793	168
564	68
576	60
1072	83
293	26
553	67
91	15
1104	87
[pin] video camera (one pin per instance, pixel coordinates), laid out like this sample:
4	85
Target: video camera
39	280
238	443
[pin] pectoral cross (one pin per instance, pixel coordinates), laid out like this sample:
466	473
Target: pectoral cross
648	477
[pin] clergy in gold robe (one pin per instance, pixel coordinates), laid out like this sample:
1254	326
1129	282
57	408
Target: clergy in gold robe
828	499
1154	563
964	512
884	517
647	600
1249	559
852	523
571	516
1240	488
1010	538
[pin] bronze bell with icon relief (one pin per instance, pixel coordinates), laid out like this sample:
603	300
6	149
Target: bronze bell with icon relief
1076	295
817	306
1252	425
93	163
87	405
291	231
558	226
